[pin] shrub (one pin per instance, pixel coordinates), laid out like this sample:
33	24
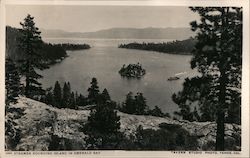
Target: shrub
167	138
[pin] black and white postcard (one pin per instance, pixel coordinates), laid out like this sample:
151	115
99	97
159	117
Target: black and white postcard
124	78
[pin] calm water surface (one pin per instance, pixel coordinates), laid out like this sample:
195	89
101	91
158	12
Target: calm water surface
104	60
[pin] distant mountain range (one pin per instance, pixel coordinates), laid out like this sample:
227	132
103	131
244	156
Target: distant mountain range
124	33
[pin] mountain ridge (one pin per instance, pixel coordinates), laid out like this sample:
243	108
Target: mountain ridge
124	33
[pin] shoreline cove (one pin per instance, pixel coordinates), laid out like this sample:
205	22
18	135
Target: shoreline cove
104	60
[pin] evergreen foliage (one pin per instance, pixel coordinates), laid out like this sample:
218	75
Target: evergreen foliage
30	42
129	104
73	104
164	139
60	143
68	46
12	131
140	104
49	53
104	119
218	58
174	47
156	112
66	95
57	95
196	115
54	143
93	92
132	71
81	100
135	104
12	82
48	97
103	127
12	91
106	95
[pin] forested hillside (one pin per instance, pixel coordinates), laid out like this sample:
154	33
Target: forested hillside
50	53
174	47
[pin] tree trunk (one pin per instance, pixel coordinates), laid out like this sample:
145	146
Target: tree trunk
221	111
220	134
27	81
220	131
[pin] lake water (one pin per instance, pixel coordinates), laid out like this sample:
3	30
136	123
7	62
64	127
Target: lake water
104	60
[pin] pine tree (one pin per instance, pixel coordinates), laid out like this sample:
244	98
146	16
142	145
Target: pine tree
103	126
156	112
104	119
208	112
103	97
66	95
135	104
140	104
30	41
13	89
129	105
12	82
81	100
49	98
106	95
57	95
73	101
76	98
218	58
234	112
182	99
93	92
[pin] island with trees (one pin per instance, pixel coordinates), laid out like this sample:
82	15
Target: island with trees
132	71
174	47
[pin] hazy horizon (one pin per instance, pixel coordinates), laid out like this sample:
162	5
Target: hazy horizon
111	28
95	18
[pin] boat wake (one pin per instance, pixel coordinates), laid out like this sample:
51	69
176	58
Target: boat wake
181	73
176	76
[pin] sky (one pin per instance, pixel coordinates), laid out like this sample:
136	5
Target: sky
94	18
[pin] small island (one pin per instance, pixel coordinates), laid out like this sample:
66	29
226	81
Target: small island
132	71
